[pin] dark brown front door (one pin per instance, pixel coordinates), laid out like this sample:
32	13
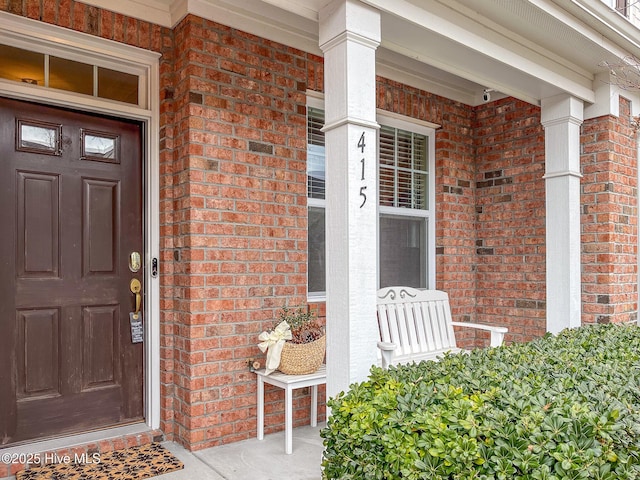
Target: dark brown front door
70	216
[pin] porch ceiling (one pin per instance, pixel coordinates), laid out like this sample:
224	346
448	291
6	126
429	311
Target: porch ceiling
530	49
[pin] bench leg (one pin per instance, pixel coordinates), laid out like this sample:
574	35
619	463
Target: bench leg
288	420
314	406
260	408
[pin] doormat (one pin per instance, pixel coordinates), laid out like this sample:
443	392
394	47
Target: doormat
133	463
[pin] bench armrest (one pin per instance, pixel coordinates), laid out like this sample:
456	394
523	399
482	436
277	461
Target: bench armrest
386	350
497	333
387	346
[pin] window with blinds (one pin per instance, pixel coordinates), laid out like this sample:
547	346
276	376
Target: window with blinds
315	153
403	169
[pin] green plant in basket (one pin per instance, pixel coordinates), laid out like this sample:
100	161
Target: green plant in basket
303	324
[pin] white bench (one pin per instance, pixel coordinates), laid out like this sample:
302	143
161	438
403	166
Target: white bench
416	325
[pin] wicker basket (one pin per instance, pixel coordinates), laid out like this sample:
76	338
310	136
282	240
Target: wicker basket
302	358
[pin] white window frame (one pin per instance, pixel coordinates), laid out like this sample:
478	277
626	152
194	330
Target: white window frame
314	100
394	120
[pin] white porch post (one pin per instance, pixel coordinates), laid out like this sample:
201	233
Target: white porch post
349	36
562	116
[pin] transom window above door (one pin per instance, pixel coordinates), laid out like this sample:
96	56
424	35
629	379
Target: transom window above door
50	71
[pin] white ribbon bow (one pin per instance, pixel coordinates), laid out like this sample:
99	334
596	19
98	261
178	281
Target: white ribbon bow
272	343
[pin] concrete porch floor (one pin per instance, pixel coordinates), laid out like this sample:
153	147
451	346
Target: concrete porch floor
253	459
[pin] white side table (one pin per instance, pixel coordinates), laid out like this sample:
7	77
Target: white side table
289	383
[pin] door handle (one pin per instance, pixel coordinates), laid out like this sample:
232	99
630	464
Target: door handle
135	286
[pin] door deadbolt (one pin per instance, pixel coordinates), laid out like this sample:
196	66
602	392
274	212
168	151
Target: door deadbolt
134	262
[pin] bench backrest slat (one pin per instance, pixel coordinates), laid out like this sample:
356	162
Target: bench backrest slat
423	333
409	326
383	324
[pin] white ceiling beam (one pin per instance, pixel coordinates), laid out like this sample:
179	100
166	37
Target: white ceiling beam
462	31
419	75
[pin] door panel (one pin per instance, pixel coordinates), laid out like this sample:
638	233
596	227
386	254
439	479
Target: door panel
100	220
101	338
38	374
38	219
70	188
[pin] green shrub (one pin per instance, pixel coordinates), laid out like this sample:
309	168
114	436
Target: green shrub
561	407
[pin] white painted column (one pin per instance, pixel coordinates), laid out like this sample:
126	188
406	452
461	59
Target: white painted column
562	116
349	36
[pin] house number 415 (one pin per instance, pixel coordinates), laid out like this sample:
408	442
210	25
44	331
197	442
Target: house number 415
361	145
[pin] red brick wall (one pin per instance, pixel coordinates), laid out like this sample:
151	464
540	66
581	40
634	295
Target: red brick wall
168	317
510	206
455	211
609	218
490	207
240	219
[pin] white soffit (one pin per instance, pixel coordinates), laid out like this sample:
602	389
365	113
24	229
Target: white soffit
571	32
607	21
